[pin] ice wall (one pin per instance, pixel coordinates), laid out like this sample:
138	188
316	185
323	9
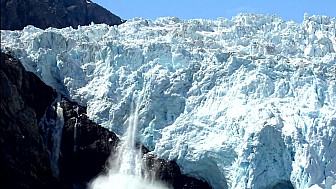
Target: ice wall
242	103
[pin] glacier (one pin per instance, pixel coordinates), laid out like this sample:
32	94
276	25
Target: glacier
247	102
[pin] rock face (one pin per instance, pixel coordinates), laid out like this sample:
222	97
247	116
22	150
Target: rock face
85	146
169	172
16	14
24	98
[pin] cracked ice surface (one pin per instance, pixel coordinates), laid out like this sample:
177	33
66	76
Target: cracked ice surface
242	103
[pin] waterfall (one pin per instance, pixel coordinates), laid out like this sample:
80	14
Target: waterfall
126	166
75	132
56	139
128	160
52	124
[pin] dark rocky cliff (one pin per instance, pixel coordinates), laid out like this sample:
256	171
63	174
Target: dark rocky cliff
16	14
85	146
24	98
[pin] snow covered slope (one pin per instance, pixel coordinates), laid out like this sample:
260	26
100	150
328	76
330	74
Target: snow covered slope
242	103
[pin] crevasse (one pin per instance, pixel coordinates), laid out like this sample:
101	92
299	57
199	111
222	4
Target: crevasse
242	103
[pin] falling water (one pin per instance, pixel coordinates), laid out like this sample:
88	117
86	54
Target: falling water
75	132
56	139
126	166
128	159
52	124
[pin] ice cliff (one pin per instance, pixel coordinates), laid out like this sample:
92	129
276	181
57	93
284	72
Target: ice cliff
242	103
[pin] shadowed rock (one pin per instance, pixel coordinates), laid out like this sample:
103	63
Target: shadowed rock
85	146
24	99
16	14
169	172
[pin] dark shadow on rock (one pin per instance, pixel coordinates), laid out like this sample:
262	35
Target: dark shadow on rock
24	99
16	14
169	172
85	146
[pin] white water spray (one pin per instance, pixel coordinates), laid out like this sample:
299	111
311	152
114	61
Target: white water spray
126	166
128	159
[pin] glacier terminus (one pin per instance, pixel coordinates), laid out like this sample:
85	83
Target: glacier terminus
243	103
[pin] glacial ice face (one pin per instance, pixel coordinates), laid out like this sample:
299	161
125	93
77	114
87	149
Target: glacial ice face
242	103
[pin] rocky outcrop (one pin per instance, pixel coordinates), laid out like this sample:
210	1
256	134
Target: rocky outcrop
16	14
85	146
169	172
24	99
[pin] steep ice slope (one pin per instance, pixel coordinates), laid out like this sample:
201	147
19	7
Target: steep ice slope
242	103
